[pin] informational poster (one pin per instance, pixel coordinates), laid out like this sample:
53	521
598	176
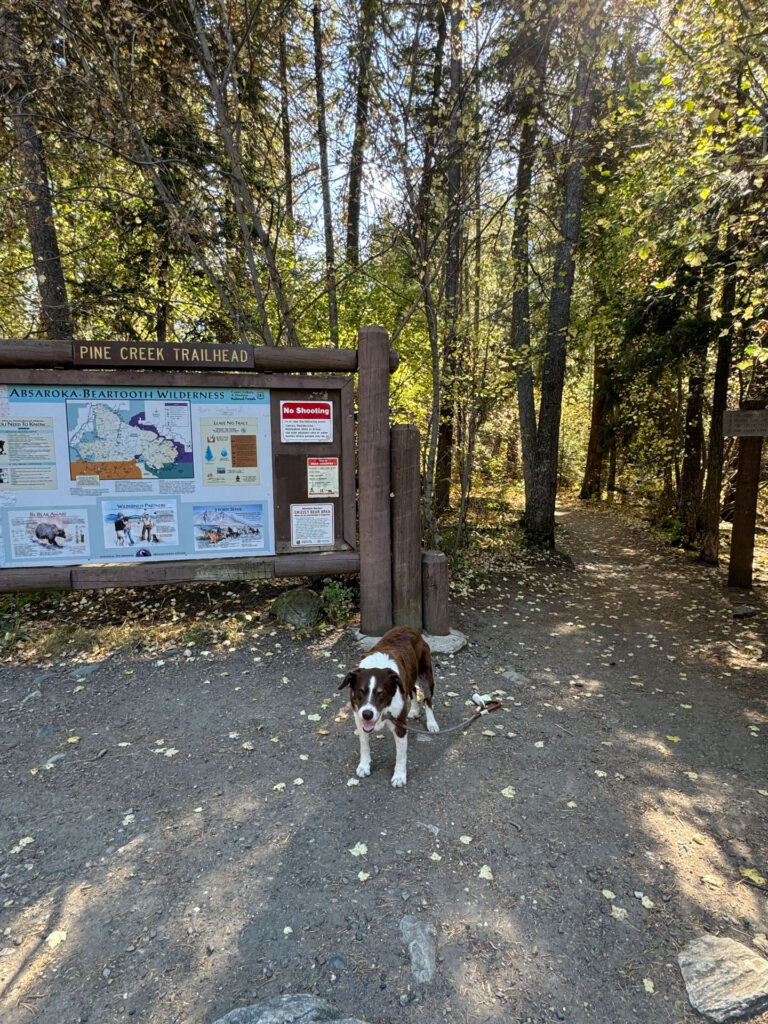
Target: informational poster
105	474
229	527
27	453
306	422
311	525
322	478
230	449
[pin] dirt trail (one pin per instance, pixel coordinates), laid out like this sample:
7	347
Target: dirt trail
633	755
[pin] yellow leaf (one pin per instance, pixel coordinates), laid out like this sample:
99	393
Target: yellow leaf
359	850
698	838
363	876
486	873
73	739
323	732
618	912
279	787
609	895
77	689
673	739
648	986
435	856
692	775
647	903
24	841
712	880
508	792
488	732
466	840
55	938
248	745
298	782
752	875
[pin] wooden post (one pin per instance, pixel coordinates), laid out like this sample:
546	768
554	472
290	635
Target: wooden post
745	511
434	566
406	526
373	481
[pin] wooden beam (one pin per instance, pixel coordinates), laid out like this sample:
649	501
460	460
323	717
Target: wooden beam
15	352
373	483
160	378
155	574
406	526
435	593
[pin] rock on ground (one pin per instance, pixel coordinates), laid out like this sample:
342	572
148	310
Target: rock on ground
290	1009
725	980
298	607
421	939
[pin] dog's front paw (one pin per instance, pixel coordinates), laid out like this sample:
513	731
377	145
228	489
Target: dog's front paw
399	779
432	725
414	710
363	769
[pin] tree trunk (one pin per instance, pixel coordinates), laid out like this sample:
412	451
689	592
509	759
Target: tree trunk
368	11
35	191
325	181
539	516
285	131
444	470
591	486
710	506
691	477
521	311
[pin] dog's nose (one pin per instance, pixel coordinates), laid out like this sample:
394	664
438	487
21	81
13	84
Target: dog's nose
367	714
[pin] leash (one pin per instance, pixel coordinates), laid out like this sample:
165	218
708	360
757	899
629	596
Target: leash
485	705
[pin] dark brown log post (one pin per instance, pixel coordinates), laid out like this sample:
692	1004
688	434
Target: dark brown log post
435	593
745	511
374	481
406	526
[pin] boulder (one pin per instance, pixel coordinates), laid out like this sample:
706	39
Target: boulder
298	607
725	980
289	1009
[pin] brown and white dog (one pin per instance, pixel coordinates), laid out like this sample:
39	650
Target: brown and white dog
381	689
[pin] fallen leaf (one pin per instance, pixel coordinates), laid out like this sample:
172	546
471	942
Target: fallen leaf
73	739
618	912
697	837
234	735
55	938
609	895
363	876
125	743
170	752
571	804
508	792
323	732
77	689
435	856
539	743
313	718
248	745
712	880
648	986
763	792
692	775
303	757
129	817
673	739
752	875
465	839
24	841
359	850
280	787
288	930
485	872
599	774
488	732
353	782
298	782
647	902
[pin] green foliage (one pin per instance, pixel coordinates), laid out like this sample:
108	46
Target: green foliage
338	601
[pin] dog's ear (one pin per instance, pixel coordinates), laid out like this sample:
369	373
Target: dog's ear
398	683
348	680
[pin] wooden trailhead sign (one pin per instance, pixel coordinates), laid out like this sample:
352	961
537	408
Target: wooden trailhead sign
750	425
136	464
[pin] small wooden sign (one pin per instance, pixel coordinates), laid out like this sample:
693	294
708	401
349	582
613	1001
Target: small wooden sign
745	423
171	356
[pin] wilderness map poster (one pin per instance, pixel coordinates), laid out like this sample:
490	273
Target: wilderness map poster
105	474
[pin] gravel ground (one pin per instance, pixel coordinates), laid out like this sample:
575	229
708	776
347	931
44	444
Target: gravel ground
191	851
